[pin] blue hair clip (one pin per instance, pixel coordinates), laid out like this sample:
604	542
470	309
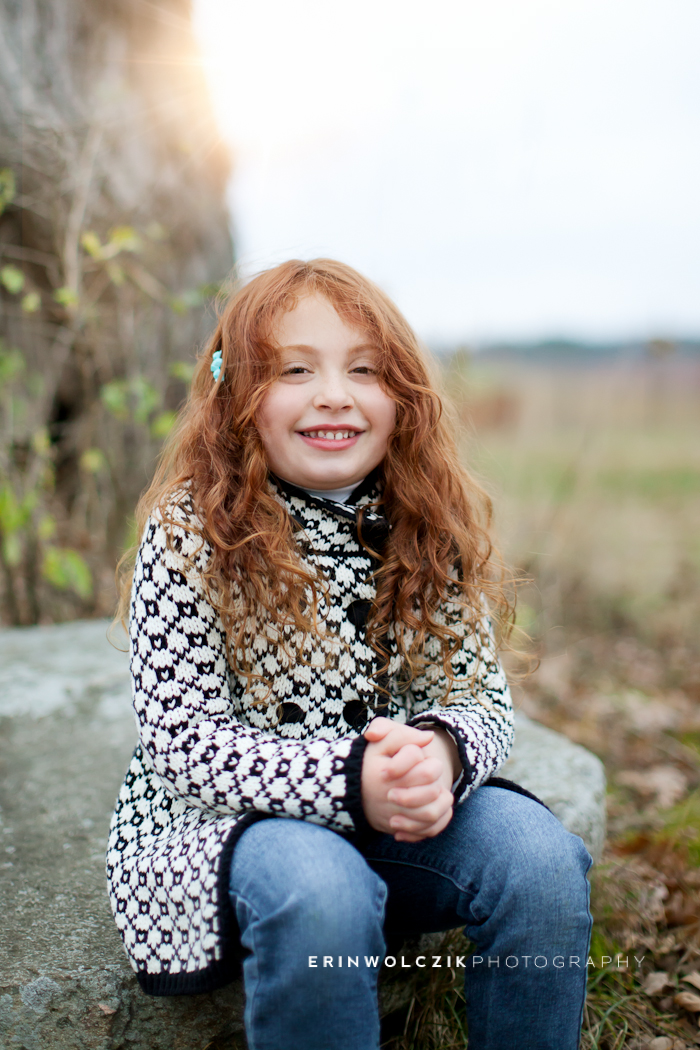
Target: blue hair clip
216	365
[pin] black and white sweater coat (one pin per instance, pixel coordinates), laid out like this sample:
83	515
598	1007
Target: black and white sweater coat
210	761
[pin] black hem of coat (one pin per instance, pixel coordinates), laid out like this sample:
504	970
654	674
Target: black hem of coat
353	794
510	785
228	968
223	971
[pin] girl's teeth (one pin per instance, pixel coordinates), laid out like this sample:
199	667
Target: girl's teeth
330	435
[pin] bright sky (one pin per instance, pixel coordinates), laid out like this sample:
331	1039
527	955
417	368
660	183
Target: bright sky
503	168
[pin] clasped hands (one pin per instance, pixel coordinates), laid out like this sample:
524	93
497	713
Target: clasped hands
407	777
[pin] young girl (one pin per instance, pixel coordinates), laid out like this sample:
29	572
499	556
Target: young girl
319	702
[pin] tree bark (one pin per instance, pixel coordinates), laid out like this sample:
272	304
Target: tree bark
119	230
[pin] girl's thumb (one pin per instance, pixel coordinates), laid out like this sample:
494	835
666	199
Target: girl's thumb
378	729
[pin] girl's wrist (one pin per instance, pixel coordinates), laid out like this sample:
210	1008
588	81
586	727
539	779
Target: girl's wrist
445	738
450	752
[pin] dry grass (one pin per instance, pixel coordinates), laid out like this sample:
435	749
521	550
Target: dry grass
595	474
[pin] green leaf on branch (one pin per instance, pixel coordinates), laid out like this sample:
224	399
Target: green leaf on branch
12	279
93	461
146	397
182	370
8	188
41	441
91	243
11	517
135	398
116	274
209	290
122	239
12	549
67	570
31	302
15	514
163	424
187	300
114	397
66	296
12	364
9	509
46	528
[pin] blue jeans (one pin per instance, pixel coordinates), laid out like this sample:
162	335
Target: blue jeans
314	909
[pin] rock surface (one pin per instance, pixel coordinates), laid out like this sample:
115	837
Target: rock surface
567	777
66	733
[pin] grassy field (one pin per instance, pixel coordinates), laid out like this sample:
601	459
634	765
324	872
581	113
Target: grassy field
595	475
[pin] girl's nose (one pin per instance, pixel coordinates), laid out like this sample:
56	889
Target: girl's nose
333	392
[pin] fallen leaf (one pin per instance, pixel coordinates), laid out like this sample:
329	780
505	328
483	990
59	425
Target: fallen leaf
650	716
654	983
681	909
108	1010
692	978
666	944
666	782
688	1000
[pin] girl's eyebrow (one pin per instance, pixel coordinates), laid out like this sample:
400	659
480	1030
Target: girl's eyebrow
359	349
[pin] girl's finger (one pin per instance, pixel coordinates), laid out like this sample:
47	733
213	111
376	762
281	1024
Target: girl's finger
413	827
425	772
424	817
403	761
439	825
427	833
399	736
415	797
378	729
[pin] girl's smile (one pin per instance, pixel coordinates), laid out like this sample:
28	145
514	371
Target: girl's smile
325	422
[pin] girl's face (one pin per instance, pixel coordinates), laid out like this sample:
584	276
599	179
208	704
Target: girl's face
325	421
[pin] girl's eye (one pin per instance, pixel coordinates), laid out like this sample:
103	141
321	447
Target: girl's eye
294	370
365	370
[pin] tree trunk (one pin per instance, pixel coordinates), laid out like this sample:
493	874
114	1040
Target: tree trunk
114	238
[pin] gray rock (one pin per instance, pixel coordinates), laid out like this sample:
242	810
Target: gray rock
37	995
566	777
66	734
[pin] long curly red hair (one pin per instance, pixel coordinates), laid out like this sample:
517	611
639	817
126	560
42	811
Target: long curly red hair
439	546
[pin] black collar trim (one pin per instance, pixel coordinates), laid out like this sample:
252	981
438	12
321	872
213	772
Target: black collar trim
348	510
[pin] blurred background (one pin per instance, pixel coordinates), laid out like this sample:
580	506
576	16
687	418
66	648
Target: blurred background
521	178
505	170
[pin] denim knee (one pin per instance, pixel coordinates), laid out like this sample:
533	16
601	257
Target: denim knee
310	883
534	864
548	860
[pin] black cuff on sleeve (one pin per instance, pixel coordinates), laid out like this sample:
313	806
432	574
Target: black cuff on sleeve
467	771
353	791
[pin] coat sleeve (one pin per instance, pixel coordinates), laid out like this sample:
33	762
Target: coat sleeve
477	712
188	728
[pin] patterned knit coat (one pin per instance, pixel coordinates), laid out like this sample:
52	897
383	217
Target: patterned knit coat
210	761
